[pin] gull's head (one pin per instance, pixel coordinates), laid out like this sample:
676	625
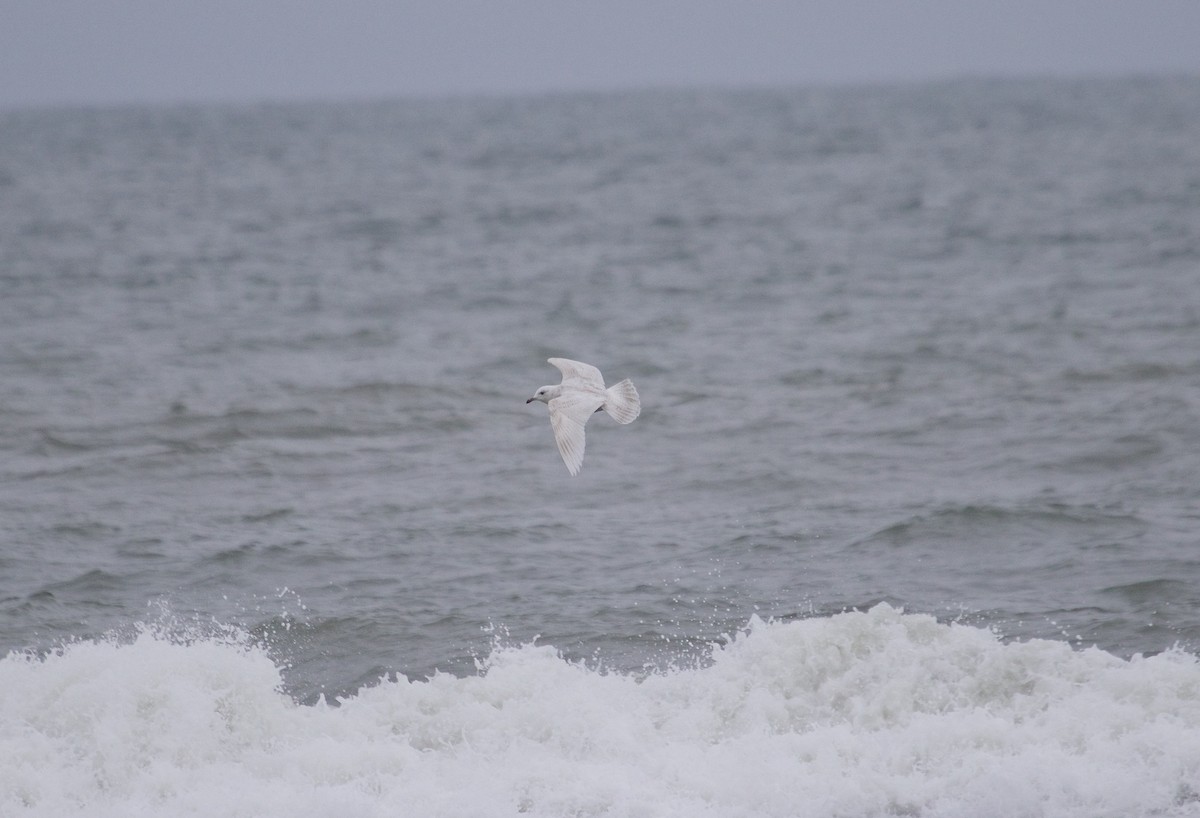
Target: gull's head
544	394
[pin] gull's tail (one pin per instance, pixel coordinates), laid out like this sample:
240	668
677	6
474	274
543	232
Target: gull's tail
622	402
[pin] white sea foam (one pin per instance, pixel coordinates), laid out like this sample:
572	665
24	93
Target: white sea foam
861	714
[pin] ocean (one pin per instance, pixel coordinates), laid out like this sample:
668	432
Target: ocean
909	524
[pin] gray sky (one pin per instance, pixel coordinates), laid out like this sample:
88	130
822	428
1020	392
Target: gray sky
111	51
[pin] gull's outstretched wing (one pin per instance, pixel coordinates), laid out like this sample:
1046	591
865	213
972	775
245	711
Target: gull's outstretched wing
568	415
580	375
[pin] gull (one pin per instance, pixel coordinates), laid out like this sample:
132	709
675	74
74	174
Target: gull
580	395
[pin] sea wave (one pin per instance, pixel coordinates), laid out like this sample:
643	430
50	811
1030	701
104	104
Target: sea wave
864	713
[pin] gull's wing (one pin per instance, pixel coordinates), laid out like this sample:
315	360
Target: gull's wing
568	414
581	375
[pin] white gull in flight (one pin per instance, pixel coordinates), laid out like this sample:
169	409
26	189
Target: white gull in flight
580	395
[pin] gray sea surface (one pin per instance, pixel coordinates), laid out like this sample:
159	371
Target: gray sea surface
265	367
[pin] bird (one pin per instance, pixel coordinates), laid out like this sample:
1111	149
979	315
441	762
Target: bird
580	395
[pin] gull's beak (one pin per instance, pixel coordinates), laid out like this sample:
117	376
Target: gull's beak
531	400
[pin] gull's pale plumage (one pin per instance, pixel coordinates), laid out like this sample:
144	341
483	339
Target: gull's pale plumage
580	395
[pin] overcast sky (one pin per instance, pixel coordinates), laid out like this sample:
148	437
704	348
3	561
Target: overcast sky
113	51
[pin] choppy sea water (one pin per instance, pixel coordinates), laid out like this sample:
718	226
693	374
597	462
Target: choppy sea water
908	524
